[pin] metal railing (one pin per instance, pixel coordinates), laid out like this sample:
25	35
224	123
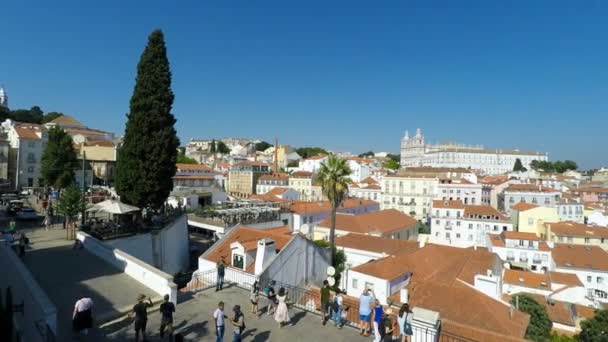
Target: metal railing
308	300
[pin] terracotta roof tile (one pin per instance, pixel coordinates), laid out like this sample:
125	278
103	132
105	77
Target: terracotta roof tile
527	279
592	189
369	180
252	163
194	167
27	133
246	236
472	211
376	244
194	177
446	204
66	120
568	279
520	236
568	228
274	176
383	221
300	207
580	257
523	206
301	174
529	188
277	191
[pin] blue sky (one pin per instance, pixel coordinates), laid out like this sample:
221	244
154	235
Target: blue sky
346	75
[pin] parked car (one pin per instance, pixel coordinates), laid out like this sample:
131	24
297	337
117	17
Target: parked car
14	206
27	214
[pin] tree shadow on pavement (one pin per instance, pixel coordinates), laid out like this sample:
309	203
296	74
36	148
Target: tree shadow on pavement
195	330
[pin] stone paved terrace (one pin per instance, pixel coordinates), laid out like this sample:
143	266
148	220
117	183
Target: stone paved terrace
194	320
66	275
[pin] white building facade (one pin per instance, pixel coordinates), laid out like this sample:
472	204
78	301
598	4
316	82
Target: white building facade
411	195
414	152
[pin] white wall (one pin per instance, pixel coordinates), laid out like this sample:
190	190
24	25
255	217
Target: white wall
37	305
380	286
590	285
167	249
151	277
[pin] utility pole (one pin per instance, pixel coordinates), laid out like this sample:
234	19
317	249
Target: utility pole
84	186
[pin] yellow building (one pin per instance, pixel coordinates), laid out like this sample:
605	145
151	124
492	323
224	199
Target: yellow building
243	177
530	218
303	182
408	193
101	154
577	234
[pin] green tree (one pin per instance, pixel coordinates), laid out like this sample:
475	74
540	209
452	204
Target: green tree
262	146
307	152
395	157
596	328
570	165
367	154
70	203
50	116
32	115
146	161
539	327
519	166
340	261
222	148
185	160
58	159
212	149
334	180
391	164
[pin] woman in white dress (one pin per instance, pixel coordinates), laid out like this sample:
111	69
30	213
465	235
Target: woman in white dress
282	313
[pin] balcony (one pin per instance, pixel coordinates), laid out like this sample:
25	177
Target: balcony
523	259
537	261
510	258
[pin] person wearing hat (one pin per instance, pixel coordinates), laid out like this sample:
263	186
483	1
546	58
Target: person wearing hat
238	323
140	311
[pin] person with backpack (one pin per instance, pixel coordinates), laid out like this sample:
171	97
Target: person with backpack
238	323
337	307
325	302
272	298
405	322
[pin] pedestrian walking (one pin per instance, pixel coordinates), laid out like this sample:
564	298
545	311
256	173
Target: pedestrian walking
23	241
238	324
337	307
220	326
140	311
47	222
221	270
325	309
365	311
166	319
378	322
254	297
282	313
82	317
405	323
272	298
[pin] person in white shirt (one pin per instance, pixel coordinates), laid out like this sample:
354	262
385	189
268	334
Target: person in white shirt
82	317
219	317
337	307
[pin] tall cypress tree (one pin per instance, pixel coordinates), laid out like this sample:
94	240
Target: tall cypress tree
146	161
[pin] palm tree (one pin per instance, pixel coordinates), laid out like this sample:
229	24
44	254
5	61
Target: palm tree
334	180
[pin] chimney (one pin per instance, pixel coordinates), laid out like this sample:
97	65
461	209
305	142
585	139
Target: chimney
404	295
264	254
421	243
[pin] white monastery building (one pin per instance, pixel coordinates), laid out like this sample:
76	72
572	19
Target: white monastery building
414	152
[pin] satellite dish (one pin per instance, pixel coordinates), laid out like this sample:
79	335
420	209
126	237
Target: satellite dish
331	271
331	281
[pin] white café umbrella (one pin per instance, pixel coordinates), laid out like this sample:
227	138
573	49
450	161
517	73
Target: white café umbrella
113	207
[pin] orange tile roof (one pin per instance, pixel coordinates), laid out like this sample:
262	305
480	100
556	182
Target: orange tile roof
529	188
483	210
102	143
592	189
274	176
317	157
194	177
252	163
246	236
277	191
66	120
520	236
376	244
301	174
369	180
568	228
300	207
584	312
196	167
568	279
494	180
86	131
580	257
26	133
450	328
527	279
383	221
446	204
499	240
559	312
523	206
